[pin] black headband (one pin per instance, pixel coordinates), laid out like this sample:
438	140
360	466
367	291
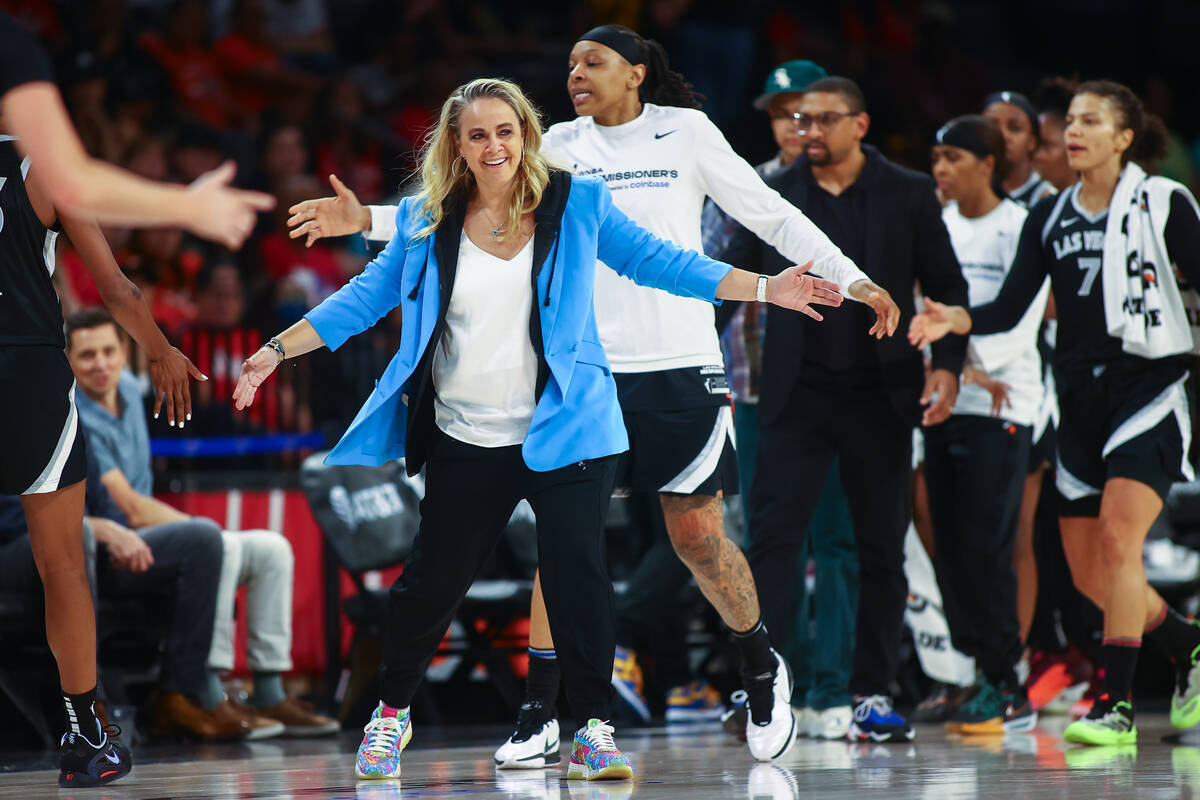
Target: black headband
1017	99
625	43
964	135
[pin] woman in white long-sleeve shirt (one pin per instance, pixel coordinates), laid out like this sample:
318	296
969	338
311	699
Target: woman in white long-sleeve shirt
975	462
640	129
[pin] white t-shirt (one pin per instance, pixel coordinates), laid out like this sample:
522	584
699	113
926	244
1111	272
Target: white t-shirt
659	168
484	369
985	247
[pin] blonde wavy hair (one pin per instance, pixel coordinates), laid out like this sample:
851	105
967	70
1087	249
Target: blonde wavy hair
441	181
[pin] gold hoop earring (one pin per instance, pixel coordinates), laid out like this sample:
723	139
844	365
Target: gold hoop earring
457	175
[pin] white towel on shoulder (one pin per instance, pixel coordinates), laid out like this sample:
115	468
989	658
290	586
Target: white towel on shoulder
1143	303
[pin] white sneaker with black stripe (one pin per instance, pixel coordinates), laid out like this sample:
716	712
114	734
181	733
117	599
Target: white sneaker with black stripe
774	737
534	744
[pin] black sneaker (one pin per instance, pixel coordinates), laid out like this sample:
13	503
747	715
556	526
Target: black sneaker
83	763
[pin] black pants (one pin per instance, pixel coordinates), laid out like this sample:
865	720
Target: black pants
874	446
975	468
470	493
187	562
650	614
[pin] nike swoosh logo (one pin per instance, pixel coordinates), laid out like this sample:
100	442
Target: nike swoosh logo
1066	223
113	759
661	135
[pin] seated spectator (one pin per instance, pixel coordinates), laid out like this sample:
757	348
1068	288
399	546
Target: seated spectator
194	70
252	65
111	412
284	156
304	275
165	270
220	297
347	147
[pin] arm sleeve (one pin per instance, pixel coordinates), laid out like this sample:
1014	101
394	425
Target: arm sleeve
1182	236
366	298
938	271
383	223
1021	285
633	252
22	58
741	193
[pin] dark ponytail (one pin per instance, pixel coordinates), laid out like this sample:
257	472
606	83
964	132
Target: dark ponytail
664	86
1149	133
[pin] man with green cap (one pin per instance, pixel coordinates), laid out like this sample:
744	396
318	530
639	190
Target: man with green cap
822	675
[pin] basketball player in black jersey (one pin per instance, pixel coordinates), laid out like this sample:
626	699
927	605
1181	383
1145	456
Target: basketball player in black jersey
43	457
1018	121
1125	425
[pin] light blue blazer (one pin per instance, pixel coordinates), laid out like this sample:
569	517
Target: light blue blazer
577	416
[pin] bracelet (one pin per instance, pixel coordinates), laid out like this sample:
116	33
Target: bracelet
760	291
274	344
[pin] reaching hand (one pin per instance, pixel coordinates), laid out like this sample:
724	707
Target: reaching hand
943	384
170	377
933	323
255	369
887	313
795	289
998	389
328	216
222	213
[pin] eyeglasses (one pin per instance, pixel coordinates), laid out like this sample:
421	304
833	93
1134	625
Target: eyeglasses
825	120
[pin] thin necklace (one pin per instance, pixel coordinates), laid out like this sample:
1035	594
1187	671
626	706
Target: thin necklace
495	227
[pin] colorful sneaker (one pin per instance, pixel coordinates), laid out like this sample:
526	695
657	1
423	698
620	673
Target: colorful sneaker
594	756
627	680
876	721
82	763
733	721
1109	723
695	702
1185	700
385	737
996	711
1048	678
534	744
771	728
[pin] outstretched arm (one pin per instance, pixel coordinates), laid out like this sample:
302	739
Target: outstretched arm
297	340
85	187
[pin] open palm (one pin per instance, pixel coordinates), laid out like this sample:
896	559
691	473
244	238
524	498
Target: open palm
794	288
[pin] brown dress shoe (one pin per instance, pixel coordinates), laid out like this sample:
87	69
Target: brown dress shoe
260	727
175	715
299	718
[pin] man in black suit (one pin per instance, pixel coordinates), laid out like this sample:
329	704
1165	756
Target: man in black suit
830	389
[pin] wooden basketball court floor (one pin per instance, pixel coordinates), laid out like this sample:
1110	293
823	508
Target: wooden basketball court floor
695	763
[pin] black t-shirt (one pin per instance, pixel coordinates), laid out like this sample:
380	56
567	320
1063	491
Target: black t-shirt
1064	241
30	313
839	346
22	59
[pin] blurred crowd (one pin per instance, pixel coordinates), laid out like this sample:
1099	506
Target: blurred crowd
294	90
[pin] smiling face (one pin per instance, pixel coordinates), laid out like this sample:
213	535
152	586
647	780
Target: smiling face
959	172
490	140
1094	133
1019	139
600	79
97	356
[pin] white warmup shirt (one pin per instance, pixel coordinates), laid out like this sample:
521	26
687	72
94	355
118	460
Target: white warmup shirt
985	247
485	370
659	168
